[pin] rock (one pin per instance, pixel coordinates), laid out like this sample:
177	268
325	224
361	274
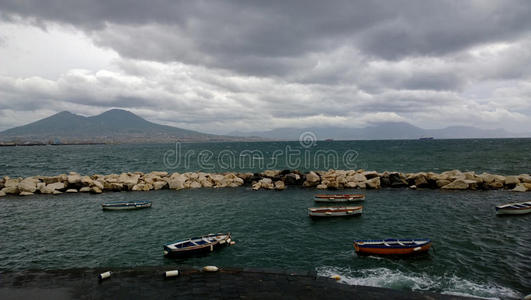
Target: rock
511	181
271	173
370	174
245	176
525	178
56	186
73	178
97	183
397	180
28	185
207	183
279	185
96	190
322	186
176	182
40	185
195	185
157	173
10	190
458	184
25	193
2	193
87	181
442	182
84	189
413	187
519	188
158	185
128	179
311	177
292	179
256	186
421	181
110	186
373	183
57	192
12	183
351	185
71	191
527	185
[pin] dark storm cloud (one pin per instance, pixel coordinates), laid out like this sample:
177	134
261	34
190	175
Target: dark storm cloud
275	37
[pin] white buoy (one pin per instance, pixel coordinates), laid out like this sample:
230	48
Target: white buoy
165	252
210	269
232	243
105	275
172	273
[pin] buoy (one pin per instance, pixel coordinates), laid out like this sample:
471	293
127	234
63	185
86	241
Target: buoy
210	269
105	275
417	248
232	243
172	273
165	252
336	277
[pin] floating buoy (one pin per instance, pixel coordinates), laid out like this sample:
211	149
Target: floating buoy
165	252
336	277
232	243
105	275
172	273
210	269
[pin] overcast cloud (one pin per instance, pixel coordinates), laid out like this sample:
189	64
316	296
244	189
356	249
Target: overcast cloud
219	66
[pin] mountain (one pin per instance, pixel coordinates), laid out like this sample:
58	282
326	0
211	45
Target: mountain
381	131
113	126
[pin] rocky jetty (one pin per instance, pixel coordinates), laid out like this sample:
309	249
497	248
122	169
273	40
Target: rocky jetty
269	179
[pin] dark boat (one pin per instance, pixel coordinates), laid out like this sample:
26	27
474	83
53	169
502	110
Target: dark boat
426	138
125	205
197	245
392	246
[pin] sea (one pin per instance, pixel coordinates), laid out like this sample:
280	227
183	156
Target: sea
475	253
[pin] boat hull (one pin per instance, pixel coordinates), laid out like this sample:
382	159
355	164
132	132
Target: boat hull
395	249
518	208
327	212
199	250
338	200
125	206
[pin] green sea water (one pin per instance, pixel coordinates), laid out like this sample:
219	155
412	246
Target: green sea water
475	252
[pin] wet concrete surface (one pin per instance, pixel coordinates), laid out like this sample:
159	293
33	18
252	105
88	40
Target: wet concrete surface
149	283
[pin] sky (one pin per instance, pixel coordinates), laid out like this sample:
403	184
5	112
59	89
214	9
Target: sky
223	66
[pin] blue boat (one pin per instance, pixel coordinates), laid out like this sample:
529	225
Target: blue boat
392	246
126	205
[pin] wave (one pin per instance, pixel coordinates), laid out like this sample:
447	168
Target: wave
395	279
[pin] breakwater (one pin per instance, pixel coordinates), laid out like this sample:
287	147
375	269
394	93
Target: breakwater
269	179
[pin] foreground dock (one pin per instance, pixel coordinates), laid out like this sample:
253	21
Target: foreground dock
148	282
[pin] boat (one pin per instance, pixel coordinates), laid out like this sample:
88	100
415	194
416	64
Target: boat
197	245
339	197
126	205
517	208
427	138
392	246
335	211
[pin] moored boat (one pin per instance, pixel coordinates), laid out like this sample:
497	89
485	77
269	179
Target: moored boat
517	208
197	245
339	197
392	246
336	211
125	205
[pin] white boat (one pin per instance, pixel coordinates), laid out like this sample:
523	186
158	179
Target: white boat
517	208
336	211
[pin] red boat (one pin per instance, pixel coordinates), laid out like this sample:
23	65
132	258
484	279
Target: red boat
392	246
339	197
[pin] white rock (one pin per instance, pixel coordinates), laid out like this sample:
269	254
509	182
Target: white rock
311	177
195	185
25	194
322	186
71	191
28	185
279	185
73	178
84	189
519	188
